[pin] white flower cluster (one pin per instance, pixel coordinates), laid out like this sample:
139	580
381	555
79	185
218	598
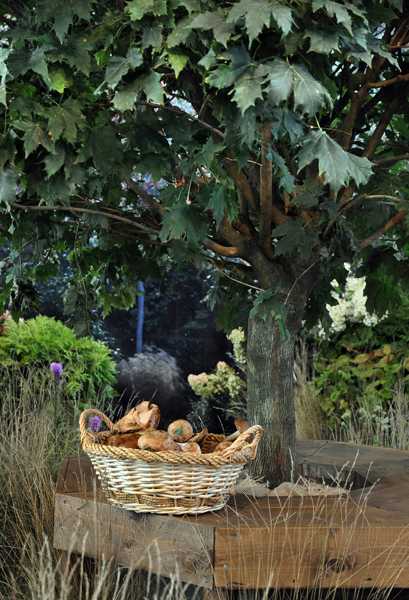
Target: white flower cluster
238	340
350	306
224	380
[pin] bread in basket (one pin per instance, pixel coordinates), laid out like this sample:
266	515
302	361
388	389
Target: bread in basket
167	482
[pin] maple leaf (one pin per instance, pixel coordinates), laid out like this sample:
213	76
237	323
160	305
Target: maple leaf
119	66
183	222
216	22
55	161
258	14
8	186
336	165
247	90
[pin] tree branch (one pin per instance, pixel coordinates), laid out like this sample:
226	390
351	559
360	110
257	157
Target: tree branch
245	228
243	283
381	84
80	209
357	99
266	189
150	200
399	36
395	220
222	250
372	144
244	207
353	202
278	216
398	46
380	129
242	183
183	113
339	106
347	126
391	160
235	233
371	103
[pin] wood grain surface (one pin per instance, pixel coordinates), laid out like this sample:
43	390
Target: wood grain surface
358	541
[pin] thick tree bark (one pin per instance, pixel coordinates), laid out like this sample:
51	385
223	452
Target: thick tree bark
270	384
270	364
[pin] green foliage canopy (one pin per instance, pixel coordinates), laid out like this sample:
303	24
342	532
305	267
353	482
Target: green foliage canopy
89	370
280	128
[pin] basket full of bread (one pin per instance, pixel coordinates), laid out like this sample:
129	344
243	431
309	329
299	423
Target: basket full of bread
145	469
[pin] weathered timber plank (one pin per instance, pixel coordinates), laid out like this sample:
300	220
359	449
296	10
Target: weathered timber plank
163	545
170	546
361	541
378	462
82	526
308	511
77	477
391	494
216	594
386	502
62	476
80	481
312	557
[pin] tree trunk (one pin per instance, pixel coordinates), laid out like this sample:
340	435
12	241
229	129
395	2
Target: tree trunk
270	384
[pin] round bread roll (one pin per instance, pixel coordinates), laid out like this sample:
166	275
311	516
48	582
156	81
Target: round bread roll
190	448
222	446
157	441
241	424
144	416
180	430
127	440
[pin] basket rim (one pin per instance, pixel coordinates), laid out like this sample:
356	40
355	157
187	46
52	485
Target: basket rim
242	450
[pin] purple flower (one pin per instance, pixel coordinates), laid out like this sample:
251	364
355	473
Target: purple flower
57	370
95	423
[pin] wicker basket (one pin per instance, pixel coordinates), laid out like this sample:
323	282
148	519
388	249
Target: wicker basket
167	482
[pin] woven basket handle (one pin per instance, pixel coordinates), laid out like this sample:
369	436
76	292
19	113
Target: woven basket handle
246	443
90	412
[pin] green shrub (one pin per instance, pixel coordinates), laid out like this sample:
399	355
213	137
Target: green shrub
361	368
362	356
89	371
224	387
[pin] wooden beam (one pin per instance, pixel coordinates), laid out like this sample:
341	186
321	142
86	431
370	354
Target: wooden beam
215	594
290	542
163	545
315	556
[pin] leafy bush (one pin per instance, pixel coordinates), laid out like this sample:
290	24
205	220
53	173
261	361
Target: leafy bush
362	367
89	370
362	357
346	380
226	386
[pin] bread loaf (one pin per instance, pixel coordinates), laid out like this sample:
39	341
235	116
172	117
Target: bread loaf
157	441
144	416
180	430
127	440
190	448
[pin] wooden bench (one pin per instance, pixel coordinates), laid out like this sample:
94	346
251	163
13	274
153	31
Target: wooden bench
291	542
